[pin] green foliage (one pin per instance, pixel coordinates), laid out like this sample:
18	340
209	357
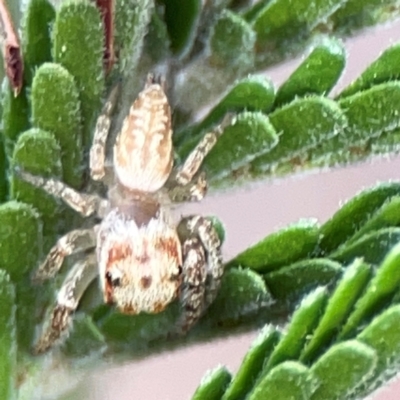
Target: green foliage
383	69
232	42
181	20
302	324
288	284
283	19
281	248
3	171
289	380
245	378
212	50
38	152
338	308
38	17
20	229
236	147
308	77
15	116
342	369
213	385
56	109
78	46
337	231
8	346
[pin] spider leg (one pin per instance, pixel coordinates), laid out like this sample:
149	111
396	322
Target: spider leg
193	162
72	289
212	245
102	129
202	269
85	204
193	284
73	242
194	191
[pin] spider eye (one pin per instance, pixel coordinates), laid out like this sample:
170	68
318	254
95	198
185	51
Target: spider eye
175	277
112	282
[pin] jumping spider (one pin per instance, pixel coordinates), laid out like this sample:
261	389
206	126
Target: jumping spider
143	258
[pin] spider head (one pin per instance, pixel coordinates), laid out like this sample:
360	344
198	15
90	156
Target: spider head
140	267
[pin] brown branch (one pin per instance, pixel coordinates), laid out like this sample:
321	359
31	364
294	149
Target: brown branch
106	8
11	49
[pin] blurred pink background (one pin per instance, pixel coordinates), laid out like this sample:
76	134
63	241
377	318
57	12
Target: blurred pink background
249	214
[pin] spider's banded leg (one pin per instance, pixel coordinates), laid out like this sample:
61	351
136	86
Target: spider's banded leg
75	284
194	191
102	129
73	242
193	285
192	164
85	204
205	231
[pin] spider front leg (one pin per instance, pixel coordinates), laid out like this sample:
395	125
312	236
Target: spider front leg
84	204
182	187
72	289
73	242
102	129
202	268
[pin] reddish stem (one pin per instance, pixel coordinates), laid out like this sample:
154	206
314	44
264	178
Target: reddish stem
106	8
11	49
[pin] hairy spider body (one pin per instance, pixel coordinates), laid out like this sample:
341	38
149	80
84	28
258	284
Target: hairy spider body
143	258
140	264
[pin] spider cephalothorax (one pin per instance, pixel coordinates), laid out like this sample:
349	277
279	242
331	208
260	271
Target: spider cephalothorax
136	250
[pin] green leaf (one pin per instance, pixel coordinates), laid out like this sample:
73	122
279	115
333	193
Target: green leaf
132	19
372	111
388	142
38	152
253	93
36	41
85	338
317	74
232	42
251	135
369	113
382	286
156	46
290	283
15	116
282	19
56	109
289	380
387	216
20	238
342	369
78	36
386	68
181	19
372	247
301	326
359	209
281	248
8	345
252	364
303	124
135	332
360	13
383	335
338	308
242	292
3	171
213	385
